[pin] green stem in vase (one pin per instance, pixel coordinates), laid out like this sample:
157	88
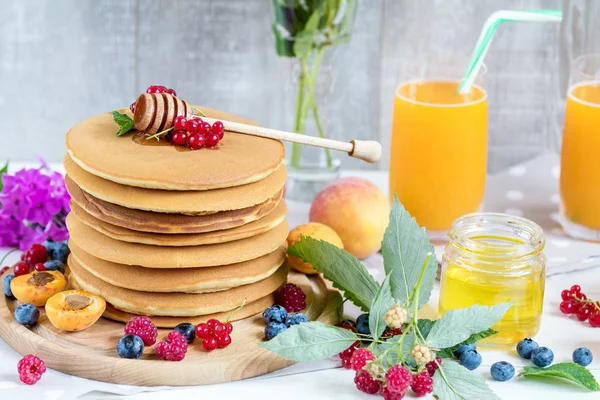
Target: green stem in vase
311	99
298	125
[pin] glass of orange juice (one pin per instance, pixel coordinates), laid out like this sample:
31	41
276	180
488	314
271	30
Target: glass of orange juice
580	156
438	159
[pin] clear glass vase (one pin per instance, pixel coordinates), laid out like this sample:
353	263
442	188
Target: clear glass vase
309	168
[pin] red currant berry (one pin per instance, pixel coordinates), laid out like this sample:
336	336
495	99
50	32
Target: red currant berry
217	127
212	140
192	125
21	269
179	138
575	289
3	270
568	306
228	327
581	297
223	341
594	319
202	331
220	330
153	89
196	141
179	123
584	312
565	294
212	324
36	254
132	106
210	343
39	267
171	92
205	128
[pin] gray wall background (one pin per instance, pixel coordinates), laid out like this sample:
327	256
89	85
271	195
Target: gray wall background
62	61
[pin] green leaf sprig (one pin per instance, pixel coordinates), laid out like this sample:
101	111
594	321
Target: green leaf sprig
410	271
3	171
568	371
124	121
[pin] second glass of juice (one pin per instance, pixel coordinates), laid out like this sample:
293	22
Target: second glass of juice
438	158
580	159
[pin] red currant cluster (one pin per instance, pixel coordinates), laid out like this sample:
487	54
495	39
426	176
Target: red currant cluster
576	302
33	258
196	133
154	89
214	334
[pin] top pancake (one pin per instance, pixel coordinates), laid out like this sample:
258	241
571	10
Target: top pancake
237	160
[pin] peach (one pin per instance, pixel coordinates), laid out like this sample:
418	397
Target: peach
37	287
74	310
357	210
316	231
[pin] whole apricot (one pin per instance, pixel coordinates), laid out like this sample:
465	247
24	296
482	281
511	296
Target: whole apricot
74	310
314	230
357	210
37	287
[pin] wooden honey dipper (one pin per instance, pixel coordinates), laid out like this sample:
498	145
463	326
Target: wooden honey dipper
156	112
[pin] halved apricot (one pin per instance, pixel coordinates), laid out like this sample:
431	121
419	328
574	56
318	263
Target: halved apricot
74	310
37	287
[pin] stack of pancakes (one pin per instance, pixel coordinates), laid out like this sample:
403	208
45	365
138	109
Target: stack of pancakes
174	234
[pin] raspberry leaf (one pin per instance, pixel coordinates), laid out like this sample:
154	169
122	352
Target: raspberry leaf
405	247
393	353
381	304
456	326
568	371
124	121
449	352
310	341
340	267
454	382
425	326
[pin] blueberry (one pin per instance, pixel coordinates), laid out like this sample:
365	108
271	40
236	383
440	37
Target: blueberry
7	280
502	371
188	330
275	313
274	329
57	250
525	347
295	319
542	357
582	356
27	314
130	346
55	265
470	359
464	347
362	324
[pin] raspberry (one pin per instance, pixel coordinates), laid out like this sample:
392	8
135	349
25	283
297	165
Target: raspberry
346	355
30	369
422	384
398	379
360	357
144	328
365	383
292	298
389	333
387	395
431	366
421	354
395	317
174	348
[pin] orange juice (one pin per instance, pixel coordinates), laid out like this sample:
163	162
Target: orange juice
580	164
439	151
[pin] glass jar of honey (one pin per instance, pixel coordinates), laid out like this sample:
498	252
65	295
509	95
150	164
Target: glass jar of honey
495	258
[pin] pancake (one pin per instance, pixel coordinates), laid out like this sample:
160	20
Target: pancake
249	310
254	228
210	255
175	304
148	221
188	280
178	202
237	160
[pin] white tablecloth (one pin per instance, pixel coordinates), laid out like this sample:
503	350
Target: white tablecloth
529	190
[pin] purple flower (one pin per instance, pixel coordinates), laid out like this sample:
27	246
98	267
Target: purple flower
33	207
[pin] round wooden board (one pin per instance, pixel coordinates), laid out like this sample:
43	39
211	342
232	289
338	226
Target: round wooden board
92	353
